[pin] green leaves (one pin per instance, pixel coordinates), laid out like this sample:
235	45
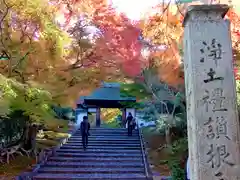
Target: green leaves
135	89
34	102
161	103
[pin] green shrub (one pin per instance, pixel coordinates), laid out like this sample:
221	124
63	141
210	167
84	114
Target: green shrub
176	153
177	172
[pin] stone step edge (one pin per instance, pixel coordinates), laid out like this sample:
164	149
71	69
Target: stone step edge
93	163
61	154
94	159
95	145
90	176
101	148
105	140
92	169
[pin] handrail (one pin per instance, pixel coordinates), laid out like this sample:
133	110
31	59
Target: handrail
143	152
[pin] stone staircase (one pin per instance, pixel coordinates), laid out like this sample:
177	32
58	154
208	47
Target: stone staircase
111	154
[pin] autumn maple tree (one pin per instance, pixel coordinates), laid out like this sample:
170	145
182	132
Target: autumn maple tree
118	42
56	51
166	30
61	57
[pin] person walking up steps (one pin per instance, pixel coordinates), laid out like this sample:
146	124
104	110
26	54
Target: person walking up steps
130	124
85	127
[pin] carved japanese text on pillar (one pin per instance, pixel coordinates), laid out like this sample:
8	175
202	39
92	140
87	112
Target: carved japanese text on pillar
217	154
212	76
216	129
217	157
214	100
211	51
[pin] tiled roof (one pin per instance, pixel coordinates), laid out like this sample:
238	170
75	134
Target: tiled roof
108	91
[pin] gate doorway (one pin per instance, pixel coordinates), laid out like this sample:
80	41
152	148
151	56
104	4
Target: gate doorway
107	96
92	119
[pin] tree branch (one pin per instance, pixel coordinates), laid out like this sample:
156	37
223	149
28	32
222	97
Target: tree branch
1	22
20	60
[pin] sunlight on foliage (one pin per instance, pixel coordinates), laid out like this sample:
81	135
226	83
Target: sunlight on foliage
33	101
110	114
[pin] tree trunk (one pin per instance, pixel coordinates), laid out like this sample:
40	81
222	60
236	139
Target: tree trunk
26	145
168	135
170	123
30	137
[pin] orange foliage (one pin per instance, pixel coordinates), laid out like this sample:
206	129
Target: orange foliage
168	64
118	45
119	40
166	29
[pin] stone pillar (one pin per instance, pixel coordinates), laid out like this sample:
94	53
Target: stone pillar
98	117
213	126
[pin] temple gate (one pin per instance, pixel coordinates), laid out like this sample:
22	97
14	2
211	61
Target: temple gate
107	96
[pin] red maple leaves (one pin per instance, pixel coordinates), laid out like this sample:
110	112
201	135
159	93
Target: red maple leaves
118	41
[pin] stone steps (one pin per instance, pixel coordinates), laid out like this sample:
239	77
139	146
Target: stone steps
90	170
101	147
92	176
97	129
126	141
93	164
94	159
110	155
107	133
83	154
108	151
105	138
105	143
113	138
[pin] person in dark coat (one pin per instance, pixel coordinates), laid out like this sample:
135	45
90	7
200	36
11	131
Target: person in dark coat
85	127
130	124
